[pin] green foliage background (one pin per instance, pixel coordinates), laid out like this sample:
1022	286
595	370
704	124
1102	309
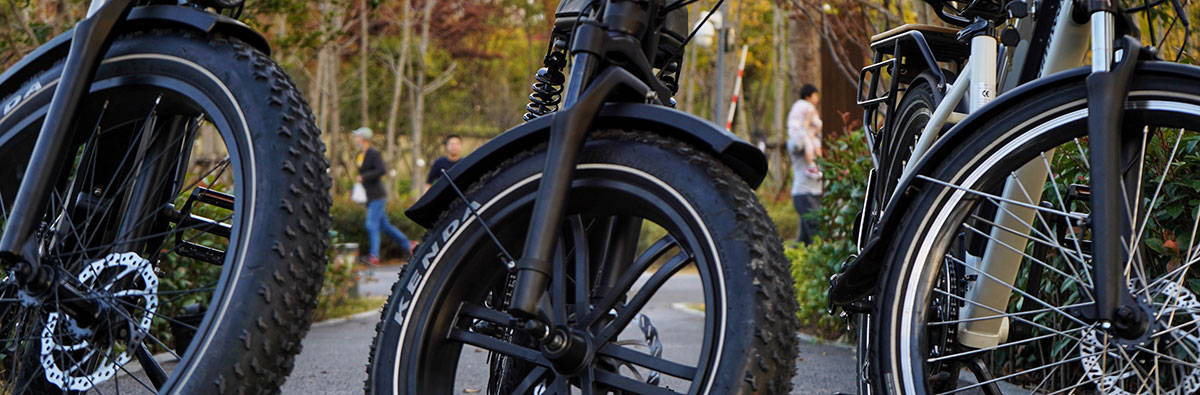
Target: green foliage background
846	164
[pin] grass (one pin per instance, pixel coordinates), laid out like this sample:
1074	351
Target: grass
350	307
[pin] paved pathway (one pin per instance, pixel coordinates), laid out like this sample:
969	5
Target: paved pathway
335	355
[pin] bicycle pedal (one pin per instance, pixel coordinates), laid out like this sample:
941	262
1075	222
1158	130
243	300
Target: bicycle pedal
200	253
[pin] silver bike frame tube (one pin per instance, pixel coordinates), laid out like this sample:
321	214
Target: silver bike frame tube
979	74
983	71
957	90
1004	252
95	6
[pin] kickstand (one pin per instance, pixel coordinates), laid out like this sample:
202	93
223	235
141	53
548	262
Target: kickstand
980	370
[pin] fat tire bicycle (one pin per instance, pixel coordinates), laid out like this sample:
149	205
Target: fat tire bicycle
164	201
534	277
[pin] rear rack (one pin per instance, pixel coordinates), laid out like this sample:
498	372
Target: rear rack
903	53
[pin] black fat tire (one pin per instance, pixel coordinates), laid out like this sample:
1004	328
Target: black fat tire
269	308
915	110
760	351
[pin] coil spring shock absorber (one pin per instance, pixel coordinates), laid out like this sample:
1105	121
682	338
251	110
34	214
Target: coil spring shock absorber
547	85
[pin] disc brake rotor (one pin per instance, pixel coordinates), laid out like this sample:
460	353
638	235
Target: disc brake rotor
1108	366
77	359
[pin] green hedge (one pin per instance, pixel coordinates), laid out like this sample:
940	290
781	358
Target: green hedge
846	165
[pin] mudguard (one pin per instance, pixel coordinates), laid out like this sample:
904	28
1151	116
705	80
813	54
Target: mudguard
860	277
140	18
744	159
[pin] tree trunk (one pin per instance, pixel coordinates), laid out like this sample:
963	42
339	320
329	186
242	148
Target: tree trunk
400	75
779	28
362	65
419	92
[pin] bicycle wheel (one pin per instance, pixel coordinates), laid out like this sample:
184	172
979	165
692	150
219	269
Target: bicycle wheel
191	223
931	320
720	258
914	112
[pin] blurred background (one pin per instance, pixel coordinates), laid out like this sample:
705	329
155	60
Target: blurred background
415	71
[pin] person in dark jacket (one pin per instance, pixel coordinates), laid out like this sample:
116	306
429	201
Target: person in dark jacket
371	169
453	146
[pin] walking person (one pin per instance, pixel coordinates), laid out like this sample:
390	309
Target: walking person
452	145
804	147
371	170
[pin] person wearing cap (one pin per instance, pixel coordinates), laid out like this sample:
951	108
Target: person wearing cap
371	169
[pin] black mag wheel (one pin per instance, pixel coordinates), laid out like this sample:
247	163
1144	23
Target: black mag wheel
183	247
928	300
715	253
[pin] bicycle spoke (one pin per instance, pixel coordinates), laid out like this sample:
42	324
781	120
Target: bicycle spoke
1075	237
582	265
1024	372
1076	276
652	254
1154	200
1018	314
532	379
1001	199
587	382
626	312
1014	288
558	287
1001	346
626	384
648	361
499	346
153	369
1002	314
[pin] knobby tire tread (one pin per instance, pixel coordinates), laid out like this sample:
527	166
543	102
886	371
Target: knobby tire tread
771	364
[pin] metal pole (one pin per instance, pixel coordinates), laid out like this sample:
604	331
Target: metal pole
737	88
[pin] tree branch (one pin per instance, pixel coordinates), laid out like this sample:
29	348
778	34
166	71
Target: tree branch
441	79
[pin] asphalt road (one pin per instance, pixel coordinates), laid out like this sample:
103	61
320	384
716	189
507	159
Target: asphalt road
335	354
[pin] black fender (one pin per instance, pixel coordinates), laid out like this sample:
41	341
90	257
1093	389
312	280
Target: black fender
744	159
860	277
140	18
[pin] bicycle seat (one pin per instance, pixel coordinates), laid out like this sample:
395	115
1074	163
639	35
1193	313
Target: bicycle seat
931	32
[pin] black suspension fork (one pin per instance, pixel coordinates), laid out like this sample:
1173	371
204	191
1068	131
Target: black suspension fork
586	93
1108	86
91	40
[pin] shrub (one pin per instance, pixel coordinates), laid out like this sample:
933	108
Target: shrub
341	278
846	165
